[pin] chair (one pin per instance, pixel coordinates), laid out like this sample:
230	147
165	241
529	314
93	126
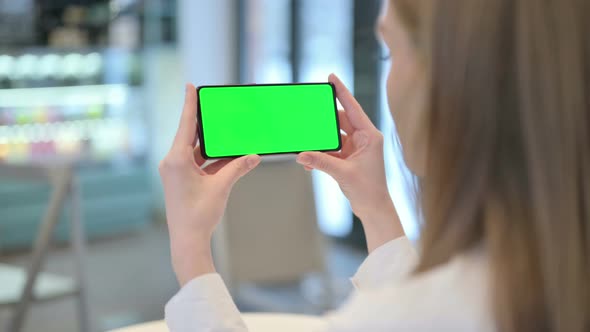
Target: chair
270	233
22	287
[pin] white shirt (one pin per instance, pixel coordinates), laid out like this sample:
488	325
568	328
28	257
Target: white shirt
451	297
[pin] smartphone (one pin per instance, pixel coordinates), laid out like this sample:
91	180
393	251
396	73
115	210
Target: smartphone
237	120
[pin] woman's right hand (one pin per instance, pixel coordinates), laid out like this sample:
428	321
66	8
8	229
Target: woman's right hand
359	170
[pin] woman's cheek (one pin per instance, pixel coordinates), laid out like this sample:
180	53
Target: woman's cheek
392	91
403	97
395	92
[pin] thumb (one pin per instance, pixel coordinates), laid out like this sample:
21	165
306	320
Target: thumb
321	161
237	168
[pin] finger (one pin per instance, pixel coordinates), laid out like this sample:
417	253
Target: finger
196	139
307	168
334	154
213	168
237	168
344	139
199	159
187	128
333	166
345	123
354	111
348	147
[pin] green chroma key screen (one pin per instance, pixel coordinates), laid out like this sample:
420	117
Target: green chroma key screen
267	119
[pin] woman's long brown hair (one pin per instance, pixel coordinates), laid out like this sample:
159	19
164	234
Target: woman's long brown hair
509	151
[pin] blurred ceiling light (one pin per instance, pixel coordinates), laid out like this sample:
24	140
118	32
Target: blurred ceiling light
6	65
25	66
110	94
72	65
92	65
49	66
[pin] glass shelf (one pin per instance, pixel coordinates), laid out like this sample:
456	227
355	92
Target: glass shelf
108	94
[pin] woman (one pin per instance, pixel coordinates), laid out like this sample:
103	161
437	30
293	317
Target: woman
492	104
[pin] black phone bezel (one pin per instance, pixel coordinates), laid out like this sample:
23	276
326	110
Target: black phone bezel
200	134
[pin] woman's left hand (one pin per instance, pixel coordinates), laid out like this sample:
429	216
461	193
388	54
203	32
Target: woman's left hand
195	196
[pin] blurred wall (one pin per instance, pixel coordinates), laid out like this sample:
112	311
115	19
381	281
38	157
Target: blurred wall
208	41
163	93
206	54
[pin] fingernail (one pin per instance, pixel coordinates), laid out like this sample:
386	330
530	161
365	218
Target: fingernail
304	159
252	161
361	139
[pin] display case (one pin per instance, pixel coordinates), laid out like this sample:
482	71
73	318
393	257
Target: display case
89	121
98	126
72	93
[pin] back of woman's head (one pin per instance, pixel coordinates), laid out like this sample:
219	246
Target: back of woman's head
508	128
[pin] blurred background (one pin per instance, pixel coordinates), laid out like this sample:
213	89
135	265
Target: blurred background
90	96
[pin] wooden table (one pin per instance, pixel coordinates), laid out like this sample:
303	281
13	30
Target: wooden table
256	322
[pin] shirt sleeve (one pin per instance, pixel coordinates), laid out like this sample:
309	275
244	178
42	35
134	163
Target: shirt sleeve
204	304
388	263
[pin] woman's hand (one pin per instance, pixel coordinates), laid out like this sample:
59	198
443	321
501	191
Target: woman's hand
359	170
195	196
